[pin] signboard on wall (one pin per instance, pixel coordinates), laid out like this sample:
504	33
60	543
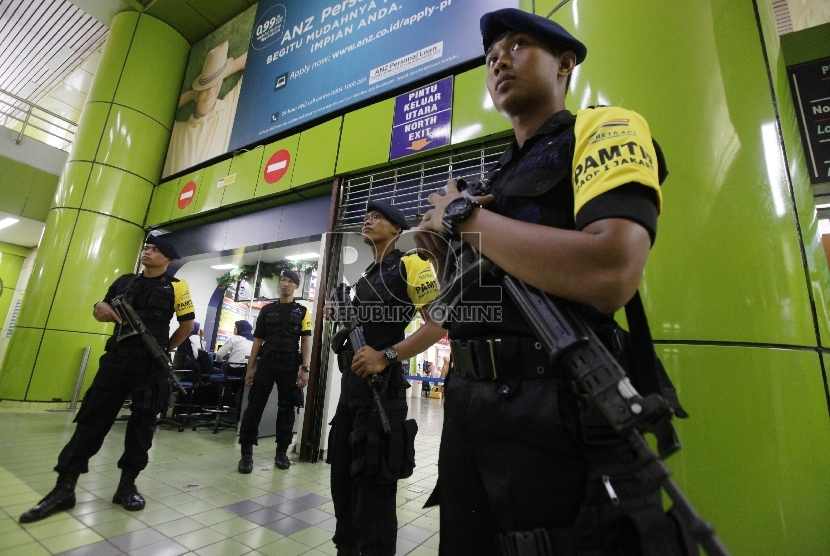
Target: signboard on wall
810	85
231	312
311	57
422	120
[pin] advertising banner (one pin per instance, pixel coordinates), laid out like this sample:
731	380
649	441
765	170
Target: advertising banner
210	93
311	57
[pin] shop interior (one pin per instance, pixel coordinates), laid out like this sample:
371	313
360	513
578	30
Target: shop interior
231	286
228	287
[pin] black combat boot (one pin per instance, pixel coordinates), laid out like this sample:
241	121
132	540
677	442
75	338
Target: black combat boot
354	551
62	497
127	494
246	464
281	460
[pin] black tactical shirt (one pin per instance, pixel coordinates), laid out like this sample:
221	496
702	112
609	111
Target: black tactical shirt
537	184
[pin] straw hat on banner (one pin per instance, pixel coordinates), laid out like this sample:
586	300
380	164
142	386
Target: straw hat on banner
215	69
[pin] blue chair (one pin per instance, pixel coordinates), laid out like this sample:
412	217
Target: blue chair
230	376
192	380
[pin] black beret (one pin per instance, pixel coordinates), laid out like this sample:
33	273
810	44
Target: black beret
291	275
392	214
164	246
495	25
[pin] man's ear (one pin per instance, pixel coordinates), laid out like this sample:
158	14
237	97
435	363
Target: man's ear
567	63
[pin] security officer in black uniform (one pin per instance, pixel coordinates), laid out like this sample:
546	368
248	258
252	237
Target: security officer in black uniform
280	327
127	368
572	210
365	464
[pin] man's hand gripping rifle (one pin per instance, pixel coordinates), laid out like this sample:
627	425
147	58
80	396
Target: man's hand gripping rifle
570	342
131	319
346	319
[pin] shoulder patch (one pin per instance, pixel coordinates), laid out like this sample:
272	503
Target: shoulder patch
612	147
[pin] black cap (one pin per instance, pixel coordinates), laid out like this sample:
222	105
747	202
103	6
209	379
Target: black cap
291	275
164	246
392	214
495	25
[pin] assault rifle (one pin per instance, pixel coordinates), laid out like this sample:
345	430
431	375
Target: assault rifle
350	327
569	341
128	315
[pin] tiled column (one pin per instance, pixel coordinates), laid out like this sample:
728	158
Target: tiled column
95	227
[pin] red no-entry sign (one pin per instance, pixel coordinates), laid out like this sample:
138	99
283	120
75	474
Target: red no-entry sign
277	166
187	194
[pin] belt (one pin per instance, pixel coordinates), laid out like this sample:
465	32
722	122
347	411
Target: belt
137	352
280	355
501	358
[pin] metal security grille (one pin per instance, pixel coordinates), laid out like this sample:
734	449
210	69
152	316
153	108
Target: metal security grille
407	186
781	8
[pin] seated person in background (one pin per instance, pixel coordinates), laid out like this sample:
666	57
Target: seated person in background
238	347
196	341
188	351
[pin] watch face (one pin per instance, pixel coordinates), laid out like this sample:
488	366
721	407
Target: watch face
457	207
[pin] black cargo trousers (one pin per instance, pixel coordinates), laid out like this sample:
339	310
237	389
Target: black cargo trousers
520	462
366	464
280	369
117	378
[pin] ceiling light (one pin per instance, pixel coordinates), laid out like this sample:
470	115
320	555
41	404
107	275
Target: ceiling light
6	222
59	58
223	266
824	206
303	256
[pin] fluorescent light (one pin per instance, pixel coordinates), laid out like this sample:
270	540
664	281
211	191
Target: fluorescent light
59	58
6	222
303	256
824	206
224	266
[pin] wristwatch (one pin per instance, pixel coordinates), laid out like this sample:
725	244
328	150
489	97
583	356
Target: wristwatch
304	368
457	211
391	354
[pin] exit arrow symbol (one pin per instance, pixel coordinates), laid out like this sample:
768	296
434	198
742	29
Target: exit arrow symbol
418	145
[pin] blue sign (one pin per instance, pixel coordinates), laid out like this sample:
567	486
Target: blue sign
422	119
311	57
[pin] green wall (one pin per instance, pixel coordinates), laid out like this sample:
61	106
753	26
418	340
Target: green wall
25	191
11	263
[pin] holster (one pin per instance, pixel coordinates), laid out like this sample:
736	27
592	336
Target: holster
385	458
153	395
344	360
298	399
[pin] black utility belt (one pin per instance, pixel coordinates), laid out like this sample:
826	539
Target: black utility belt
501	358
136	352
280	356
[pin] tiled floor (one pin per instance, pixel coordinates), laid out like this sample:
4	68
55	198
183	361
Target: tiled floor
196	501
